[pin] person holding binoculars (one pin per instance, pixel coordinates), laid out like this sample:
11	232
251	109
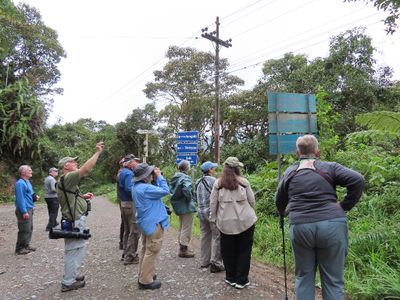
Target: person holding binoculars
74	210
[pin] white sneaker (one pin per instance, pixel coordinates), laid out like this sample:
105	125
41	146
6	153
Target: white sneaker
230	283
242	286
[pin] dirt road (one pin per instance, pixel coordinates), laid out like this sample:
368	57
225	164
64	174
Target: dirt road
38	274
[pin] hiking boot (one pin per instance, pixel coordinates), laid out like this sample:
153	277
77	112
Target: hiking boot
76	285
22	251
204	266
30	248
80	278
151	286
242	286
185	252
131	261
216	269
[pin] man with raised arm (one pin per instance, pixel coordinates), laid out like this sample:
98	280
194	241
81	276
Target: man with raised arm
74	210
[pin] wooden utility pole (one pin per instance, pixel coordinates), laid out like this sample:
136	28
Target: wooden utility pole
214	37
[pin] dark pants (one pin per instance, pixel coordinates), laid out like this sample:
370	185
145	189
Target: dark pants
25	228
236	254
52	208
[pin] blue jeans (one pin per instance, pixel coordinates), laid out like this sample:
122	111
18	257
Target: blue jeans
323	244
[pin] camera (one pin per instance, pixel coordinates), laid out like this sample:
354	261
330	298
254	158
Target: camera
67	234
168	209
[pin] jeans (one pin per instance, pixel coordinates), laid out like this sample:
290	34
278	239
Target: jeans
321	244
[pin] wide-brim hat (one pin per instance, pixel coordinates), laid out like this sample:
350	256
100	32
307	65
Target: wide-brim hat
142	171
64	160
233	162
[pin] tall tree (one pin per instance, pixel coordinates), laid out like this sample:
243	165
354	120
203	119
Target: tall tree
29	52
186	86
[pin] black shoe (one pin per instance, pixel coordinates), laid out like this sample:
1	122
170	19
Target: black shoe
76	285
151	286
80	278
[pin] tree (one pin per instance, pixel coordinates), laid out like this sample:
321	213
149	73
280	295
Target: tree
29	52
186	84
392	7
145	118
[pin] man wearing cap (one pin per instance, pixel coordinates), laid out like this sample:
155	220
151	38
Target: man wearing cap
128	210
183	203
24	198
50	196
74	209
152	220
210	248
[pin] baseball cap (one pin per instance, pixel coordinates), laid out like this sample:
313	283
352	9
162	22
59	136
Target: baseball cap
66	159
205	167
53	170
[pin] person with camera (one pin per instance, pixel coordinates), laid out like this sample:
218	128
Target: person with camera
152	220
317	221
24	202
50	196
74	210
128	210
183	203
210	242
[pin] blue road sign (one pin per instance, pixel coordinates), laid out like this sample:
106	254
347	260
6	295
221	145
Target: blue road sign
187	136
191	158
186	148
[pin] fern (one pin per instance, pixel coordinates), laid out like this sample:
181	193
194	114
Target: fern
380	120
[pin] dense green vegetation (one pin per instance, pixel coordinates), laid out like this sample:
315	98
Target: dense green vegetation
358	107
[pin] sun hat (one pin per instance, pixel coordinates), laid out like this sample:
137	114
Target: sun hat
142	171
233	162
64	160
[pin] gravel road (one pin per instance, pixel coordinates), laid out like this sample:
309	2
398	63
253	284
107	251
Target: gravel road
38	274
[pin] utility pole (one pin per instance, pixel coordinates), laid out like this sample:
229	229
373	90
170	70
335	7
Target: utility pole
214	37
146	132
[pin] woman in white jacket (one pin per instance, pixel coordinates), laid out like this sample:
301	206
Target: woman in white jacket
232	209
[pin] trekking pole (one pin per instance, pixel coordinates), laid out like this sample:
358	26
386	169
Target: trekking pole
282	224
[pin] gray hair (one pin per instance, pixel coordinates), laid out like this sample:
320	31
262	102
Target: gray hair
23	168
307	145
184	166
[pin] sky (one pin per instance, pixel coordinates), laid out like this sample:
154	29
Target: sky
113	47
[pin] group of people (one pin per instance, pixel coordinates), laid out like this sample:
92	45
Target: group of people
225	207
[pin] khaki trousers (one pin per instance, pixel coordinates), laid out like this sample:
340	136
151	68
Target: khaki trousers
210	244
151	247
131	230
185	229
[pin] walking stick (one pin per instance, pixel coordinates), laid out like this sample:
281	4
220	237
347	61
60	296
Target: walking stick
282	224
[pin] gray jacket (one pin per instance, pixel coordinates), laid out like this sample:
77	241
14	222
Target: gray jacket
310	194
50	190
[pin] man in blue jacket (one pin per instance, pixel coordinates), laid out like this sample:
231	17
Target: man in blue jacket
24	198
318	224
152	220
128	210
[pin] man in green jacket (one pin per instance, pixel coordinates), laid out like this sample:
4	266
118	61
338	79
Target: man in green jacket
183	203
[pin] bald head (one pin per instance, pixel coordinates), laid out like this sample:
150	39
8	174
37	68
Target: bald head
307	146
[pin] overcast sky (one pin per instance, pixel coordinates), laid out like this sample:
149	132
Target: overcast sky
113	47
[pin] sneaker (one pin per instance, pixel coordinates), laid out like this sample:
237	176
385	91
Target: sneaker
22	251
151	286
230	282
76	285
216	269
242	286
30	248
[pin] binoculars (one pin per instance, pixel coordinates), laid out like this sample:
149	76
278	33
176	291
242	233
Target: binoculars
69	234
